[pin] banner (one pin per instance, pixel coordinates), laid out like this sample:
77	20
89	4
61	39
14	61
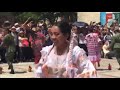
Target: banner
103	18
108	16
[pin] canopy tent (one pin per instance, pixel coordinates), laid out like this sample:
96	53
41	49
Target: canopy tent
80	24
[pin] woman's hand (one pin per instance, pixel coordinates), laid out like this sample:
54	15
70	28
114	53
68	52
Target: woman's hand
84	75
65	75
45	70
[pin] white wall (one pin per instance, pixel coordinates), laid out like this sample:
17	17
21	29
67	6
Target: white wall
88	16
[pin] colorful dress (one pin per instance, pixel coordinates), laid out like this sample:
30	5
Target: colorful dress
37	43
58	65
93	47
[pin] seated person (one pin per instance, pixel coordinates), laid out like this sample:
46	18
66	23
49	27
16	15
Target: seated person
106	51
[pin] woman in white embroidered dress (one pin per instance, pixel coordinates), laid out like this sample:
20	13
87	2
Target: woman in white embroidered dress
63	59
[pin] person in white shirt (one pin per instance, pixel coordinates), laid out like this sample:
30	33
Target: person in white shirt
106	51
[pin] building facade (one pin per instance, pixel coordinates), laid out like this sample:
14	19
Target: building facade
103	17
88	17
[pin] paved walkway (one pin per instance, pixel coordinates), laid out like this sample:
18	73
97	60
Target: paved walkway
21	70
103	69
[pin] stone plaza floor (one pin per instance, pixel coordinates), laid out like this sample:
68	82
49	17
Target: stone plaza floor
21	70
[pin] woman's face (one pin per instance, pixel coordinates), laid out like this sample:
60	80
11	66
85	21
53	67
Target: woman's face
13	30
57	36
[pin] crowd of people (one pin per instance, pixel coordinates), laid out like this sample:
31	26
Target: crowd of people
59	50
28	41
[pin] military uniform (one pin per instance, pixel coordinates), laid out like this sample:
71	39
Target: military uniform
9	44
115	45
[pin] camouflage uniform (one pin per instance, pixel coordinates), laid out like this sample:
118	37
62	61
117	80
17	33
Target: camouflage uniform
115	45
9	44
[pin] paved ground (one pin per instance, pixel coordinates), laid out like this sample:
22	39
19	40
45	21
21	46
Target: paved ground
103	69
21	70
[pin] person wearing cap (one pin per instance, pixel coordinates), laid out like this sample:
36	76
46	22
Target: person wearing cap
6	24
112	30
23	44
9	44
16	25
15	35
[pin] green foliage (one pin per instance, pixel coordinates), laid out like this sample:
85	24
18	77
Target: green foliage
23	16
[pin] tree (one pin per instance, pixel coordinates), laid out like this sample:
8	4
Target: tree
23	16
52	16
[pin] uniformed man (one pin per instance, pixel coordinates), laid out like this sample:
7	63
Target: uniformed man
115	45
9	44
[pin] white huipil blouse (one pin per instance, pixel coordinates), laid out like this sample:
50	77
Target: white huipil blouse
57	65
